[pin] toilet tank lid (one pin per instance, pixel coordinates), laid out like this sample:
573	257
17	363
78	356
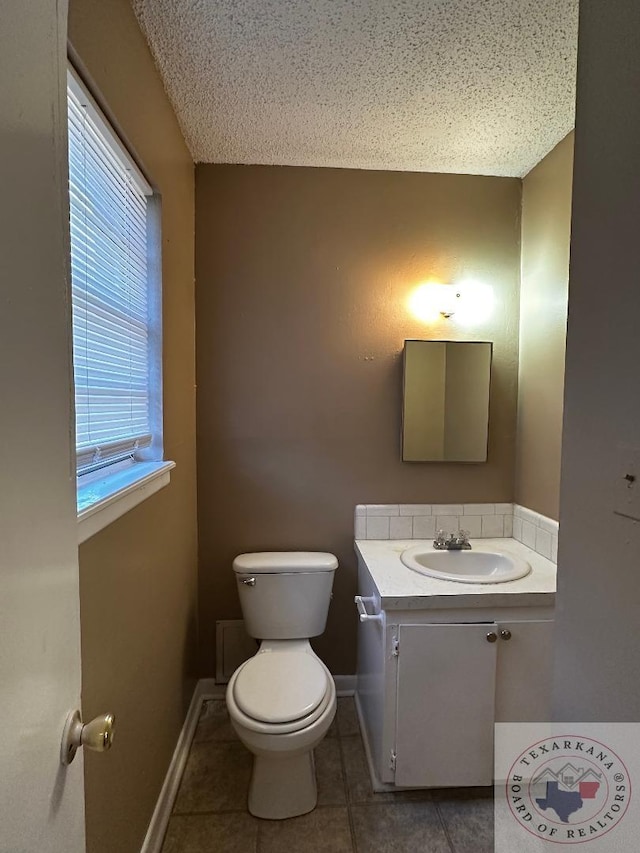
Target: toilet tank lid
272	562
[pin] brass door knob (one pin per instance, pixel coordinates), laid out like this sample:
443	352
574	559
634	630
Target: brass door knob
505	634
492	637
96	735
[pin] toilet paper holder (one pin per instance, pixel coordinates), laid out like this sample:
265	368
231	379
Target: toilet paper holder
361	605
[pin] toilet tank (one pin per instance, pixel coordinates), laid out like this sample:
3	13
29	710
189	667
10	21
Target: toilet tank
285	594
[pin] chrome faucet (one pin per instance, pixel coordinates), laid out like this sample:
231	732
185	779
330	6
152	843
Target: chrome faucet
452	541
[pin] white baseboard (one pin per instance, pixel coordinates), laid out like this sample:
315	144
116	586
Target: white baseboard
345	685
376	784
158	825
209	688
205	689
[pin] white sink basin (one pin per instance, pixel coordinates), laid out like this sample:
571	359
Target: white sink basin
465	566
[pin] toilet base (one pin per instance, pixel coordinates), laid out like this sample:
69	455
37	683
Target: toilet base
282	786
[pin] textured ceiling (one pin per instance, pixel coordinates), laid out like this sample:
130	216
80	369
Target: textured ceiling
471	86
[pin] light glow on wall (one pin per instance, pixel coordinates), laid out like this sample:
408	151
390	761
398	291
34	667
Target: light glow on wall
468	303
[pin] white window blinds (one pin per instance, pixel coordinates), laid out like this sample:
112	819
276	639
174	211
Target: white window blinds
109	277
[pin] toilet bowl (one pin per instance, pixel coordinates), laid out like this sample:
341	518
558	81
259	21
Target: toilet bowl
283	782
282	701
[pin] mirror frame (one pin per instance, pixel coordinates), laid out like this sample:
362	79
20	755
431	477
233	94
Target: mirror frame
489	389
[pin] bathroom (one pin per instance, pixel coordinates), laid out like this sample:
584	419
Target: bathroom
303	277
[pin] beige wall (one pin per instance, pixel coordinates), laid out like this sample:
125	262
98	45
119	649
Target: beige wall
597	665
546	226
302	280
138	576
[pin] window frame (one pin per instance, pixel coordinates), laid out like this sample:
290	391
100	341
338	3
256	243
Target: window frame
108	492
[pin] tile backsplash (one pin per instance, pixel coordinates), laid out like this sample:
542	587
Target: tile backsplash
483	521
536	531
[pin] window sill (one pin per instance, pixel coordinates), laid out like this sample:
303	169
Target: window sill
105	499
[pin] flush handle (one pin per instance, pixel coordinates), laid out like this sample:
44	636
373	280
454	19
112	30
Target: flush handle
96	735
248	581
492	637
505	634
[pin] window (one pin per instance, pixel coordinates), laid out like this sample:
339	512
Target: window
115	300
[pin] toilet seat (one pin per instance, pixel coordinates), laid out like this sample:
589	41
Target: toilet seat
279	693
280	687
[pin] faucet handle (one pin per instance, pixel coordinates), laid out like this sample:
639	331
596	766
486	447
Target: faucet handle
440	542
463	539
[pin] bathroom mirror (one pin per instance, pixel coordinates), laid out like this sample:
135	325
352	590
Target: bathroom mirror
445	412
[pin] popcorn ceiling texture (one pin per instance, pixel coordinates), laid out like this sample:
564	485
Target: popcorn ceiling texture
466	86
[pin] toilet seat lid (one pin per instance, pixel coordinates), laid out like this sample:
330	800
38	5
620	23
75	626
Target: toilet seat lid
280	687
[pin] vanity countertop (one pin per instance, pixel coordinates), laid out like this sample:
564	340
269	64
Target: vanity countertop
401	588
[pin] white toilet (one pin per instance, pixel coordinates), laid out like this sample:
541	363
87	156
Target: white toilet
282	700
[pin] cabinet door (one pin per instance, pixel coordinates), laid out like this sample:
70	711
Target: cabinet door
523	684
445	711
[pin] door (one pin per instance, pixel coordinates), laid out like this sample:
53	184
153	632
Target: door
525	660
41	803
445	711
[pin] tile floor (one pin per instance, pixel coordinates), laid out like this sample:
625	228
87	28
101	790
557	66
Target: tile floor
210	813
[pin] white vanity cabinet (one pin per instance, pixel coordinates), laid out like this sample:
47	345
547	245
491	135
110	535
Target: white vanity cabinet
432	681
453	682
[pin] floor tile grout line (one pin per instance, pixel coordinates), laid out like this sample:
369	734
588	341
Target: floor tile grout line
258	837
443	824
352	829
389	798
214	812
319	807
350	800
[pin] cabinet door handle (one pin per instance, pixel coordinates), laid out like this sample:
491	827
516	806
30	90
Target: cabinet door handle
505	634
492	637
